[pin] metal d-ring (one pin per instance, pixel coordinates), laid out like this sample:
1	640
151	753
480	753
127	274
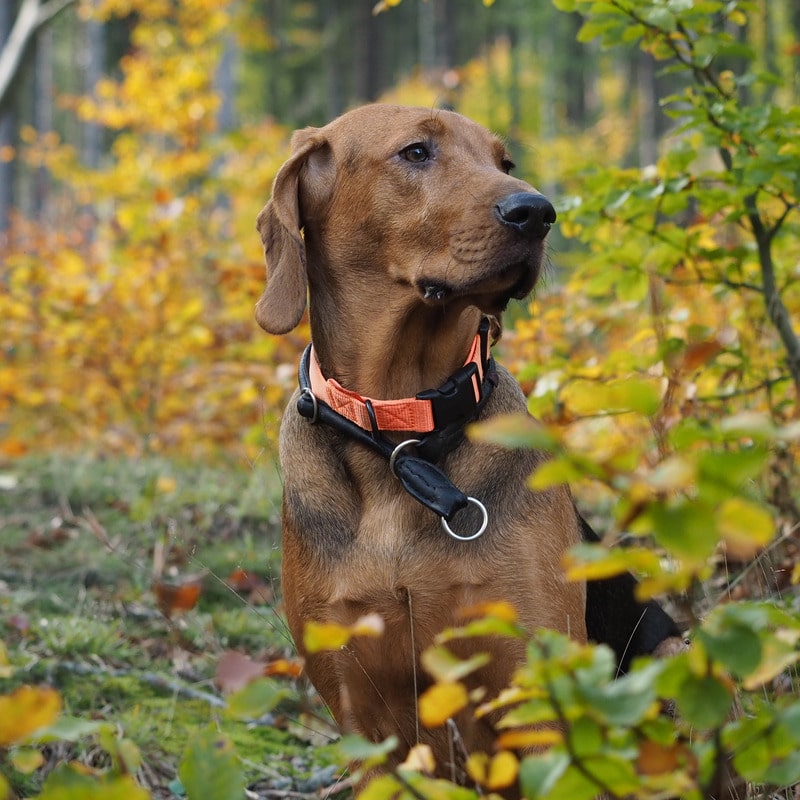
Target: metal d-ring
396	452
308	393
480	530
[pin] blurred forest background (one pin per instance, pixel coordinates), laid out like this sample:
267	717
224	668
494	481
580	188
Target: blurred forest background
139	138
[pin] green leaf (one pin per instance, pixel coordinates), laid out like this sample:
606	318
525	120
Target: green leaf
66	783
685	529
703	701
575	785
586	737
356	748
446	667
70	729
784	772
539	774
625	701
730	469
555	472
259	697
210	769
515	431
736	647
629	394
661	18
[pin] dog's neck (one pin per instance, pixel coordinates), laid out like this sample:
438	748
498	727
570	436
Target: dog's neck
390	353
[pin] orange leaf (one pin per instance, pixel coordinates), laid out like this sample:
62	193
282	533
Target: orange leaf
176	597
284	667
25	711
659	759
699	354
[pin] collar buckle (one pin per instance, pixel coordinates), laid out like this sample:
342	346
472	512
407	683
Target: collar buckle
457	399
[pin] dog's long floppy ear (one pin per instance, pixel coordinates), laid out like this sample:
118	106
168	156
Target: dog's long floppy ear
282	304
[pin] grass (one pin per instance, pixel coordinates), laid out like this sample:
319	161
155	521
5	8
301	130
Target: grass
89	550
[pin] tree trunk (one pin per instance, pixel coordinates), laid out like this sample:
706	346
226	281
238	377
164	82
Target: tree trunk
44	97
91	133
8	127
334	24
648	109
32	15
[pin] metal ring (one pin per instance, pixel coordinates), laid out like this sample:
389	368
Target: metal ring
313	418
482	528
396	452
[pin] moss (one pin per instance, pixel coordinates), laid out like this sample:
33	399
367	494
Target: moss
78	611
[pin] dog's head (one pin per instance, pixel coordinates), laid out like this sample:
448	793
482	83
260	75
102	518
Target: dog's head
410	202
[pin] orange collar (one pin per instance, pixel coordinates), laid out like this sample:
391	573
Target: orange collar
426	412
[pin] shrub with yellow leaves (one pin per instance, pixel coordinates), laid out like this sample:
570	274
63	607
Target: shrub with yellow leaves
128	323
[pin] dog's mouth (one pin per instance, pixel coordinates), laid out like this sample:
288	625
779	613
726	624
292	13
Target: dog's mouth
491	295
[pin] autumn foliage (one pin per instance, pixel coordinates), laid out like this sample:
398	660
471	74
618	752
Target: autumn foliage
128	315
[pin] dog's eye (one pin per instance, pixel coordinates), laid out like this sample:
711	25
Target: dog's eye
415	153
507	164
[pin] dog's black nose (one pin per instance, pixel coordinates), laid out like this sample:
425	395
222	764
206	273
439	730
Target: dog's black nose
530	213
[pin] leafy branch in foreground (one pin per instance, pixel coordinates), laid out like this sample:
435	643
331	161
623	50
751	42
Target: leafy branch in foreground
570	727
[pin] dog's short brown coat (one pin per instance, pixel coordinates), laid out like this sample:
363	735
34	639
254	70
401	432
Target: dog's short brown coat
382	221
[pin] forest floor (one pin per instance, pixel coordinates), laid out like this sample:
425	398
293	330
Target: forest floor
124	583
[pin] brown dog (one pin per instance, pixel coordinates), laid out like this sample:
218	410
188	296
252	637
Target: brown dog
413	231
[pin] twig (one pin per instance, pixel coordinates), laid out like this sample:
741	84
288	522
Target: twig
153	679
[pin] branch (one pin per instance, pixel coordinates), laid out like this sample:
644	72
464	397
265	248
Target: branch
776	310
32	15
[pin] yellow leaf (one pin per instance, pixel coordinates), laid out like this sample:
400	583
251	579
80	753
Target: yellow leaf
538	737
498	772
319	636
503	770
331	636
673	474
745	527
440	702
165	484
579	566
779	651
420	759
499	609
26	760
554	473
477	767
25	711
